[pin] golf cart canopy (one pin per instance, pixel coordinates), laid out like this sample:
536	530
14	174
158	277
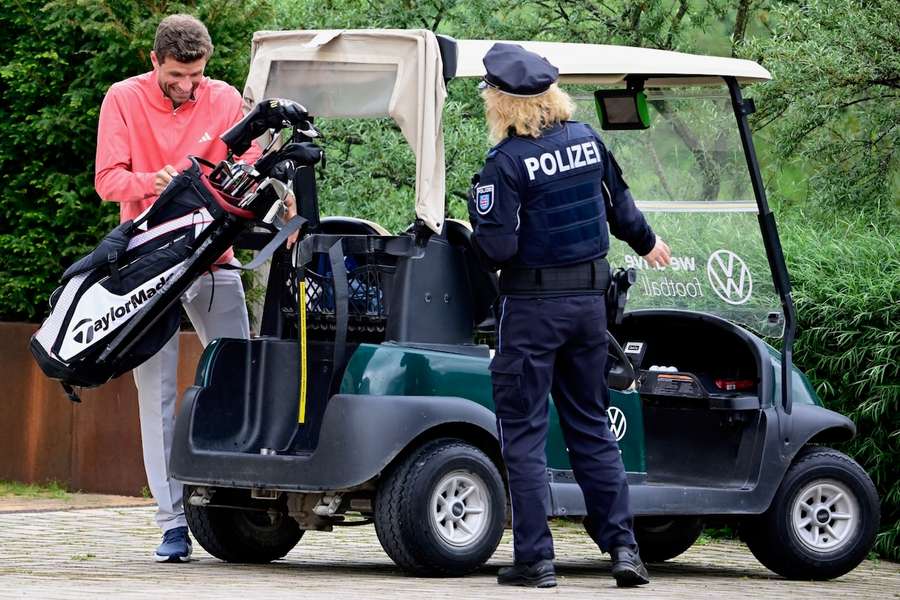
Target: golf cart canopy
371	73
600	64
363	74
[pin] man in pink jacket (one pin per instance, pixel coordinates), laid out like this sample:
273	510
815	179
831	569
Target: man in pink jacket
149	124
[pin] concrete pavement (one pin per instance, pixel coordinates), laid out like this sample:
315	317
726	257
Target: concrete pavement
107	552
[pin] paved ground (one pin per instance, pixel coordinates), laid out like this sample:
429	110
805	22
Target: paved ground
106	552
69	502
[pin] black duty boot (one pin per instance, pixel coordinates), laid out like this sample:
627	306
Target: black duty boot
627	567
539	574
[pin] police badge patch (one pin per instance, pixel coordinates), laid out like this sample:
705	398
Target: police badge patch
484	199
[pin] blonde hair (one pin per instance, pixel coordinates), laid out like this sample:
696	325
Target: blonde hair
524	116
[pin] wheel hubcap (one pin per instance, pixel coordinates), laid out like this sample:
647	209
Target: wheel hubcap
460	510
825	515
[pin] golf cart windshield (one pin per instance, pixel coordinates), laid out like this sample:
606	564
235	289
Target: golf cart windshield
687	171
688	174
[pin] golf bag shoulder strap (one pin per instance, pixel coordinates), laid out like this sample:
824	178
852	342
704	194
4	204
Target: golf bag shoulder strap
70	392
295	224
341	308
202	161
107	251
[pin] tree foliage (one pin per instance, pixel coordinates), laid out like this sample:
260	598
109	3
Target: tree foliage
834	104
58	60
849	344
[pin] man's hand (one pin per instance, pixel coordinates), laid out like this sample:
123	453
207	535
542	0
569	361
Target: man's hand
291	205
660	256
163	177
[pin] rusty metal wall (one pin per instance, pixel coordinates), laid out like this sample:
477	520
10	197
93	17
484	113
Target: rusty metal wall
94	446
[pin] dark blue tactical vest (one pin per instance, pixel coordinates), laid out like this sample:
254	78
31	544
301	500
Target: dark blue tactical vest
562	214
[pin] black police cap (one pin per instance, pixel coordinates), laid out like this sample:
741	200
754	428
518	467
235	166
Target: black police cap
514	70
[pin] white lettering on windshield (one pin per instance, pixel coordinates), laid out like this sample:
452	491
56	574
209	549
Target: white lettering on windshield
679	263
667	288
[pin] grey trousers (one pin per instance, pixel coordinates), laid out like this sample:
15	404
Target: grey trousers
156	382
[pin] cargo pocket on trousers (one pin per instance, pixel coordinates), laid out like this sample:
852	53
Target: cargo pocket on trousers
506	379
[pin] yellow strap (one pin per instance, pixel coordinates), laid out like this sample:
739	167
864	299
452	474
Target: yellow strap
301	303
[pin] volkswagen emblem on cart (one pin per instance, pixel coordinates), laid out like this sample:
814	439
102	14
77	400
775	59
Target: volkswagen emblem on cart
729	277
617	422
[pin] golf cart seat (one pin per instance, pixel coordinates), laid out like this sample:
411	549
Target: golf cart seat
351	226
483	284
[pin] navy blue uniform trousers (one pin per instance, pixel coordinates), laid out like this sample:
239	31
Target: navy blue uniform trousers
557	345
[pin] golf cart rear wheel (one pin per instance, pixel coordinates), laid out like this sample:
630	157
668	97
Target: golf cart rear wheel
241	536
663	538
822	521
441	510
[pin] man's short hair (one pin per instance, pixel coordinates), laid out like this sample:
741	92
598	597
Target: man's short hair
182	37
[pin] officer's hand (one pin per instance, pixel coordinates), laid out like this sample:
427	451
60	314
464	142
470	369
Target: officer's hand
290	203
660	256
163	177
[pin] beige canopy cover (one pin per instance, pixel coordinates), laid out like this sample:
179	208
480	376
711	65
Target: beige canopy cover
363	73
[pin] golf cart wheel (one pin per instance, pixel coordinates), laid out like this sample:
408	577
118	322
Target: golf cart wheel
822	521
241	536
441	510
663	538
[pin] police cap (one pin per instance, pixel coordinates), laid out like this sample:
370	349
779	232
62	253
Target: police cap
514	70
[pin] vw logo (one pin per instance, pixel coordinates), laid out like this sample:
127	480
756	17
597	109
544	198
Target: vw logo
729	277
617	422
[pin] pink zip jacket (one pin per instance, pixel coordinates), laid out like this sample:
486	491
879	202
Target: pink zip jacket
139	133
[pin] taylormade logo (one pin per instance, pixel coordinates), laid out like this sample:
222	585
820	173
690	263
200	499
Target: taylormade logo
116	312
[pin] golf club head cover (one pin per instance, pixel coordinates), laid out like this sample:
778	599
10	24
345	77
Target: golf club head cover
283	171
302	154
273	113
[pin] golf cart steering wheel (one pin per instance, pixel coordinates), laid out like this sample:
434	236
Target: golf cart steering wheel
621	372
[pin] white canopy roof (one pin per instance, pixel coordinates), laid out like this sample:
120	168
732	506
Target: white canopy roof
597	63
399	73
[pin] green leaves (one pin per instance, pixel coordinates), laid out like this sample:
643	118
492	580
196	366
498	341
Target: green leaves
59	59
846	278
834	103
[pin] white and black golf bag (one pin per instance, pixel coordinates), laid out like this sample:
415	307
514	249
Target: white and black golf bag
118	305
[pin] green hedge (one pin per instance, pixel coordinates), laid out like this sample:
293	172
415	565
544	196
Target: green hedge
58	60
846	282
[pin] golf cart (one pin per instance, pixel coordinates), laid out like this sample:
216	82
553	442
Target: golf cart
366	397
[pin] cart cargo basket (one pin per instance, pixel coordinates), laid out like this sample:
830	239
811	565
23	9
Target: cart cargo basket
369	279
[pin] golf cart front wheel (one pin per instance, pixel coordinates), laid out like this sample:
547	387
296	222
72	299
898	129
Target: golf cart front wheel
822	521
241	536
441	510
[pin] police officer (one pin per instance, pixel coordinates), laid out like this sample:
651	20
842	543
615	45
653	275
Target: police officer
539	210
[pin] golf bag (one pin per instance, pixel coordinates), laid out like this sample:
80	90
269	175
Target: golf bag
118	305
